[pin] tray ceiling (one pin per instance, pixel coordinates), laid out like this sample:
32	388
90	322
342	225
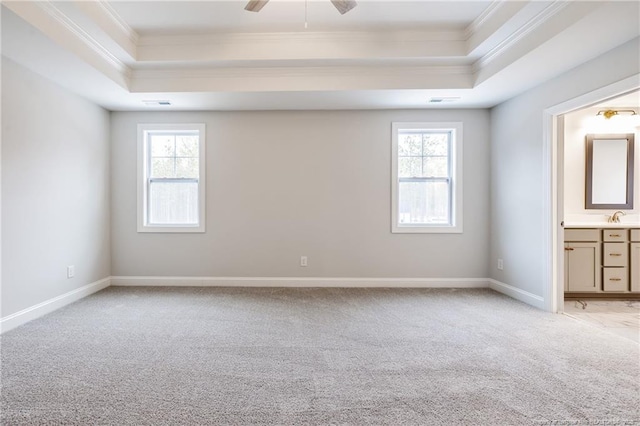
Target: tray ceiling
382	54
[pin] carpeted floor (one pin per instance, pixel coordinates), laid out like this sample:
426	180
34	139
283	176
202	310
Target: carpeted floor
189	356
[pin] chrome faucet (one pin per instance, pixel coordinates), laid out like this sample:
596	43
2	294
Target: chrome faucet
615	218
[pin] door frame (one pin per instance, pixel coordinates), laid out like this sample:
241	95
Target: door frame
553	184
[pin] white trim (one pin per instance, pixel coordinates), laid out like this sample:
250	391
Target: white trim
142	173
299	282
531	25
119	21
14	320
475	25
518	294
456	178
84	36
552	267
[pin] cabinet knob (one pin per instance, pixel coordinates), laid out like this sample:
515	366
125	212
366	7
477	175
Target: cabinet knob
568	248
615	235
615	279
615	254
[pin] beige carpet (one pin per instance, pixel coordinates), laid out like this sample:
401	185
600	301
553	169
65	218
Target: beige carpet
188	356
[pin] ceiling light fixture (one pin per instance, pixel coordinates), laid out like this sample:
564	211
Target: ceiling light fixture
608	113
343	6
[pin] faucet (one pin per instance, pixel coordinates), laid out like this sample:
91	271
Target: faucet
615	218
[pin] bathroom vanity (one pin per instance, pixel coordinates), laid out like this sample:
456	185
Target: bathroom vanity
602	261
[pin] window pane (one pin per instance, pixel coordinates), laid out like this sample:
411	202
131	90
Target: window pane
423	203
187	146
436	166
163	168
409	144
410	167
173	203
162	146
187	168
436	143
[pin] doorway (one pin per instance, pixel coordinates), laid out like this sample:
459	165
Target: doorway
566	125
554	183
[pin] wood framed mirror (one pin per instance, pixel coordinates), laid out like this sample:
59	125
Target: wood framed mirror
609	171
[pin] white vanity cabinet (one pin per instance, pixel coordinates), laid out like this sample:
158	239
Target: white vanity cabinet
602	260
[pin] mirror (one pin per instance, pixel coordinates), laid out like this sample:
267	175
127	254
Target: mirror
609	180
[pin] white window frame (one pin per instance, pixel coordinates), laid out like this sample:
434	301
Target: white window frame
143	178
455	227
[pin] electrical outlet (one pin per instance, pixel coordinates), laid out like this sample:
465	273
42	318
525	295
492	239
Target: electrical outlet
71	271
500	265
303	261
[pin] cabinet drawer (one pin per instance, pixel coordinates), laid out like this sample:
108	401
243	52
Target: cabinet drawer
615	279
615	254
635	235
581	235
614	235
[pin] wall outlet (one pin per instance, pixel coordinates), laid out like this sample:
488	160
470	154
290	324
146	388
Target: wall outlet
71	271
500	265
303	261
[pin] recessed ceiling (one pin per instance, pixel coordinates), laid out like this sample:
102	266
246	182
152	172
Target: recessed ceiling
382	54
147	17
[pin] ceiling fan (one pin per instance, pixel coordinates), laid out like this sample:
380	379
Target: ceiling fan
343	6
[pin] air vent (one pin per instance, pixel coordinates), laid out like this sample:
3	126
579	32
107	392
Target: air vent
443	99
157	103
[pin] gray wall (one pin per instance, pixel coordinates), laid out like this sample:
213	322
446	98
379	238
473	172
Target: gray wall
55	190
285	184
517	164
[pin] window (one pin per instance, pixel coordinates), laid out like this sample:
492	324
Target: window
171	177
427	177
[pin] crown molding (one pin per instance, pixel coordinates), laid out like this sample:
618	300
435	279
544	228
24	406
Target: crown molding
118	20
301	46
302	78
82	35
482	19
51	21
515	37
452	34
112	24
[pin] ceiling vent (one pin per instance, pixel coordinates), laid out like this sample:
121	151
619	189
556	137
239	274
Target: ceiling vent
157	103
444	99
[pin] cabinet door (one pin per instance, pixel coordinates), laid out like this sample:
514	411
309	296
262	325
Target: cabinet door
635	266
582	264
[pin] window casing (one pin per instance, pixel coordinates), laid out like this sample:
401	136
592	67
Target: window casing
171	177
426	178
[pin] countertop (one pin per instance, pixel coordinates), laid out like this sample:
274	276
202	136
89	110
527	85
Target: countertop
601	225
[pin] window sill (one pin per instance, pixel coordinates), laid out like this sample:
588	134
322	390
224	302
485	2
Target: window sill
171	229
426	229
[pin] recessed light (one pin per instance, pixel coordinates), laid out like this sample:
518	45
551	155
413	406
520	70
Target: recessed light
156	103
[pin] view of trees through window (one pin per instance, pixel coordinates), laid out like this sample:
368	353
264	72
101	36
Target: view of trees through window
424	177
173	177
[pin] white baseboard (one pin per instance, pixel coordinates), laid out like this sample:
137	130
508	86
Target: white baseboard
14	320
518	294
301	282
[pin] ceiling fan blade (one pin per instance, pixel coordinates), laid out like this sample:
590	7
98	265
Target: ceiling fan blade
255	5
344	6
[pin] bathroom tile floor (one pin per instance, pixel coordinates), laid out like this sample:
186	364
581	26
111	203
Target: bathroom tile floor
620	317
